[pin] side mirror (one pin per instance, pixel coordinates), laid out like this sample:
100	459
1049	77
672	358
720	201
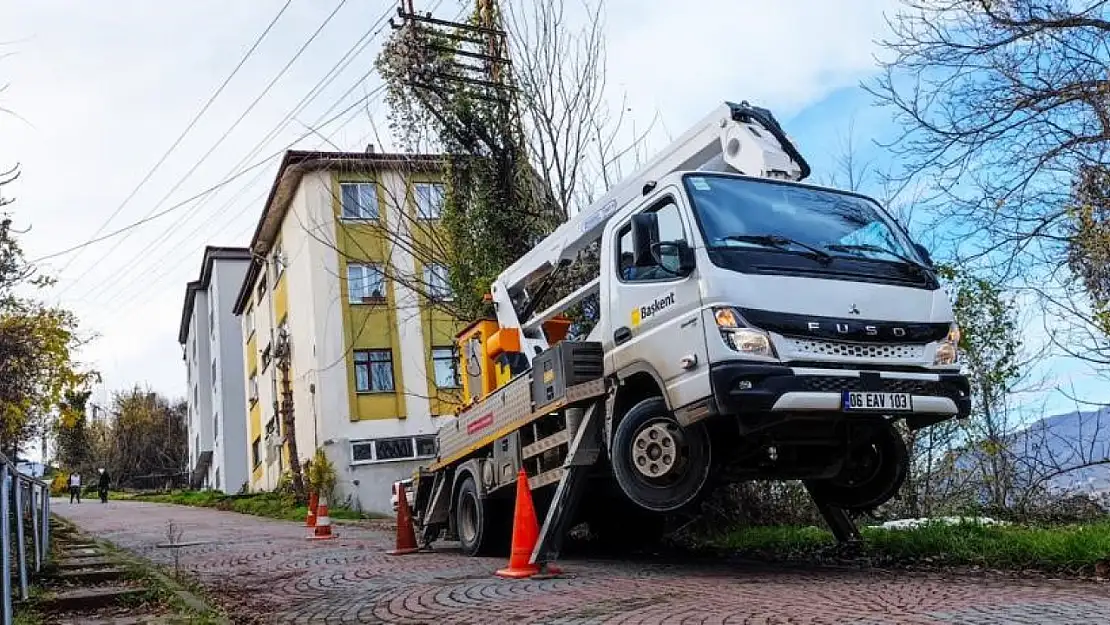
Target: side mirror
924	253
645	234
678	249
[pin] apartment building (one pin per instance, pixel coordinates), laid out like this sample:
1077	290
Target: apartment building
343	273
212	341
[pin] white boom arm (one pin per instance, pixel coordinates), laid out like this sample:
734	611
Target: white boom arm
734	138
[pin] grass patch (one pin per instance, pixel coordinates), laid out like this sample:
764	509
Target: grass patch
1072	548
270	505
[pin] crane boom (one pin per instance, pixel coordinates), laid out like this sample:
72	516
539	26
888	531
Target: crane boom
735	138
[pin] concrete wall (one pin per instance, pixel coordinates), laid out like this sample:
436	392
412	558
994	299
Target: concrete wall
199	395
231	447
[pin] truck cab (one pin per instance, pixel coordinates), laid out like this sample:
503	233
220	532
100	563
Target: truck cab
774	328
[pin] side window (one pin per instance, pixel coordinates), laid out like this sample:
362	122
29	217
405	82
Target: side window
670	229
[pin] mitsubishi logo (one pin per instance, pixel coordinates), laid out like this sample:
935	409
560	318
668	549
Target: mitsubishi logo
853	310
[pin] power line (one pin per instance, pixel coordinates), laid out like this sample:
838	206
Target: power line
227	133
188	128
127	299
338	68
197	196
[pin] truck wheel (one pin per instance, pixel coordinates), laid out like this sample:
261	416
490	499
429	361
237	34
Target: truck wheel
660	465
872	473
476	521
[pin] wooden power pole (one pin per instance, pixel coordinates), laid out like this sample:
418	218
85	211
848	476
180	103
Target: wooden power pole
283	356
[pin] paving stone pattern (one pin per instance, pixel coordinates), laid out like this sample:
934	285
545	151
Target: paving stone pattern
266	571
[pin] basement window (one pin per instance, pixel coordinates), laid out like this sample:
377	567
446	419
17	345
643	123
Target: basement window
393	449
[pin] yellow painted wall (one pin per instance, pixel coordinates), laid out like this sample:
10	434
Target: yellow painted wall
370	325
281	298
437	327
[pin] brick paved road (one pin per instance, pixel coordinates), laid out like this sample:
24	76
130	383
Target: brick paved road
269	570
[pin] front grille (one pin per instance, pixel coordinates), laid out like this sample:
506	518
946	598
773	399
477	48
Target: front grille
869	351
834	384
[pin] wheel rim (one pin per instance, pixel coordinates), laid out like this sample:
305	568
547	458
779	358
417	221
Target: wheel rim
659	452
468	520
863	466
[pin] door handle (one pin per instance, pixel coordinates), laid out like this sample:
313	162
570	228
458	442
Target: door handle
622	335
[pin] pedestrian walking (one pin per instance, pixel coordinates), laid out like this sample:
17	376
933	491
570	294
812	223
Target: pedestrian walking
102	486
75	487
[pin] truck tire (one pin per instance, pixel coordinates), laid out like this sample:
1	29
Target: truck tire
659	465
477	523
871	476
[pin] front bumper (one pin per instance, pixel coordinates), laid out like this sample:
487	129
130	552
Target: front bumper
745	388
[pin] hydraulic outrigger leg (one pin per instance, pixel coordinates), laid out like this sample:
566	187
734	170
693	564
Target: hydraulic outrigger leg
584	449
842	526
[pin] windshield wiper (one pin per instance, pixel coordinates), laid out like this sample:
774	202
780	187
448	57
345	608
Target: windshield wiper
779	241
911	264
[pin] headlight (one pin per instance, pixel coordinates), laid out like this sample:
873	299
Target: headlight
741	338
948	352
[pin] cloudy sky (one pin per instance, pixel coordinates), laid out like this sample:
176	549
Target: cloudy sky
103	89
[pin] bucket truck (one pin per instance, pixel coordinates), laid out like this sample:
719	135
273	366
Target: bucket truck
750	327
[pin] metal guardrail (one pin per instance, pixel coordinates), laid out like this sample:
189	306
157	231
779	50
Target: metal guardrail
24	509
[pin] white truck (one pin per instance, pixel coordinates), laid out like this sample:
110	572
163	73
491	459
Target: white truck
751	327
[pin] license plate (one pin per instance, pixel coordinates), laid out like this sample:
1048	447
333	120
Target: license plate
863	400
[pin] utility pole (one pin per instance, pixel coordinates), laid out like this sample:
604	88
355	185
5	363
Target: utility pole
283	355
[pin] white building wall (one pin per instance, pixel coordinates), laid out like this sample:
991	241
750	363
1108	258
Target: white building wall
199	396
231	448
320	349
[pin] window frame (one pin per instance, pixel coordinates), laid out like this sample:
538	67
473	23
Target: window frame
367	300
373	443
278	261
453	359
252	389
343	204
368	363
428	271
256	452
626	229
420	214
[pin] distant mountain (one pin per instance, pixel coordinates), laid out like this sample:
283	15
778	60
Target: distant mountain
1067	441
1051	450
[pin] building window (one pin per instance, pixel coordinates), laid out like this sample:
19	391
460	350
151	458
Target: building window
393	449
365	283
214	374
252	389
261	285
360	200
373	370
266	357
217	478
211	319
216	426
256	452
429	200
196	396
279	261
435	277
249	322
446	367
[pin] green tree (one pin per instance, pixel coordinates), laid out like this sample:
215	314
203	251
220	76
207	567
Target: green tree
991	349
1089	239
71	432
144	439
37	346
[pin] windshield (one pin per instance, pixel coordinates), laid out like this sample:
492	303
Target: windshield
737	212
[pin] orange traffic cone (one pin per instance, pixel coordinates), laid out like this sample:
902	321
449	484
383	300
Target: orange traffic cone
310	519
526	531
323	522
406	533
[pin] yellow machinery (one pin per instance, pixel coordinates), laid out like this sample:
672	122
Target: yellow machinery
490	356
